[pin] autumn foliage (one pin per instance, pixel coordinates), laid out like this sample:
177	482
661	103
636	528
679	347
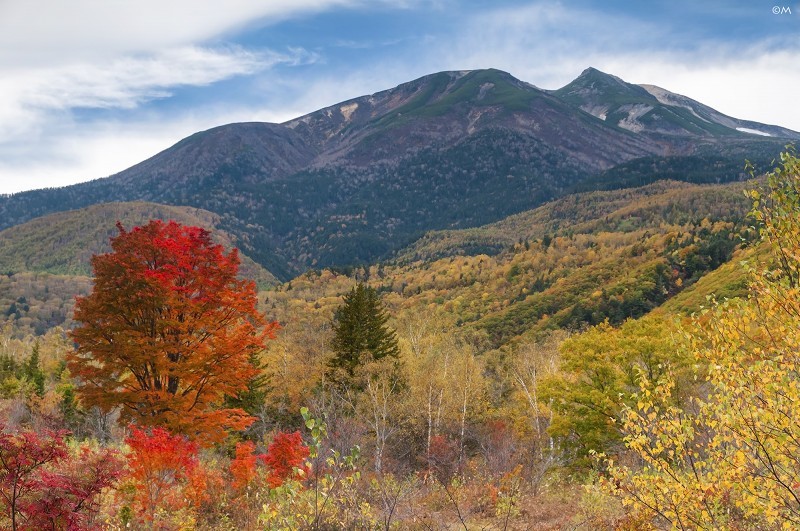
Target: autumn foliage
729	459
286	452
164	471
43	486
168	331
243	466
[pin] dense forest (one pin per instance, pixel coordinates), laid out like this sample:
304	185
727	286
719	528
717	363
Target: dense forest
620	359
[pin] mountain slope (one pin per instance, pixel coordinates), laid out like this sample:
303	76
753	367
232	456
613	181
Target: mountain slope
573	262
667	202
354	182
654	111
64	243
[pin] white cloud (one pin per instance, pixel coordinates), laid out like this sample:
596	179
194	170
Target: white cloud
36	103
56	56
43	32
127	81
84	153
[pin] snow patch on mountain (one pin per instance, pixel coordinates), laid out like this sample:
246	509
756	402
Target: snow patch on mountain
752	131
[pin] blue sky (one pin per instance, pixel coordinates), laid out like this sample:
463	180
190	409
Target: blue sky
91	87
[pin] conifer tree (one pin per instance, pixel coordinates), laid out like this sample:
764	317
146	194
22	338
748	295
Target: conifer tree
361	334
33	372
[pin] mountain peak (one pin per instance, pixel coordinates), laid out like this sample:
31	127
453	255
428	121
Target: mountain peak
351	182
595	74
594	81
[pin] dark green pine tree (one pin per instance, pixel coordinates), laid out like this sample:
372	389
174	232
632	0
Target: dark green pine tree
360	333
32	372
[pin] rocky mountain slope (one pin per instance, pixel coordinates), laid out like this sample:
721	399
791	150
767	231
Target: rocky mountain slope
654	111
357	181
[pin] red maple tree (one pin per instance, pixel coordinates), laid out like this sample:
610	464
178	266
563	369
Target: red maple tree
168	332
243	467
286	452
164	470
44	486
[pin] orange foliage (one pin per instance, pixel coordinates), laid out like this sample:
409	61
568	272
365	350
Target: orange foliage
168	331
243	466
164	470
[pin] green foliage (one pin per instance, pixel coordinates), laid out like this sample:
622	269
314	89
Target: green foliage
21	377
253	398
361	334
600	369
32	371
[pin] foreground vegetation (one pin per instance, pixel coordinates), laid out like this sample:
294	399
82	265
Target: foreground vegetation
582	402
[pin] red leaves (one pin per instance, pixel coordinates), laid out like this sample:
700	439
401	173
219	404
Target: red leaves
164	470
159	457
286	452
168	331
443	457
243	466
44	487
67	496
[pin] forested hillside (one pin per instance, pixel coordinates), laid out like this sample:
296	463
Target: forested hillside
528	273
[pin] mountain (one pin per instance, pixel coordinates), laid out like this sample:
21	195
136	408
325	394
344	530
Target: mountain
656	112
360	180
64	243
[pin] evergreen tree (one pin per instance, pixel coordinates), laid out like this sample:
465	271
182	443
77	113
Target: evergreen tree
33	372
360	333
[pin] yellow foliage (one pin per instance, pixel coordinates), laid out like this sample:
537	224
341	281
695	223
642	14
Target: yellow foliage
731	459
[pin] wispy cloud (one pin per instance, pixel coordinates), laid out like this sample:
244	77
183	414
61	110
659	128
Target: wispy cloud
57	58
128	81
43	32
37	99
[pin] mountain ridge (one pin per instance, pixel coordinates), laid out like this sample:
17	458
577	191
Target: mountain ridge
354	182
